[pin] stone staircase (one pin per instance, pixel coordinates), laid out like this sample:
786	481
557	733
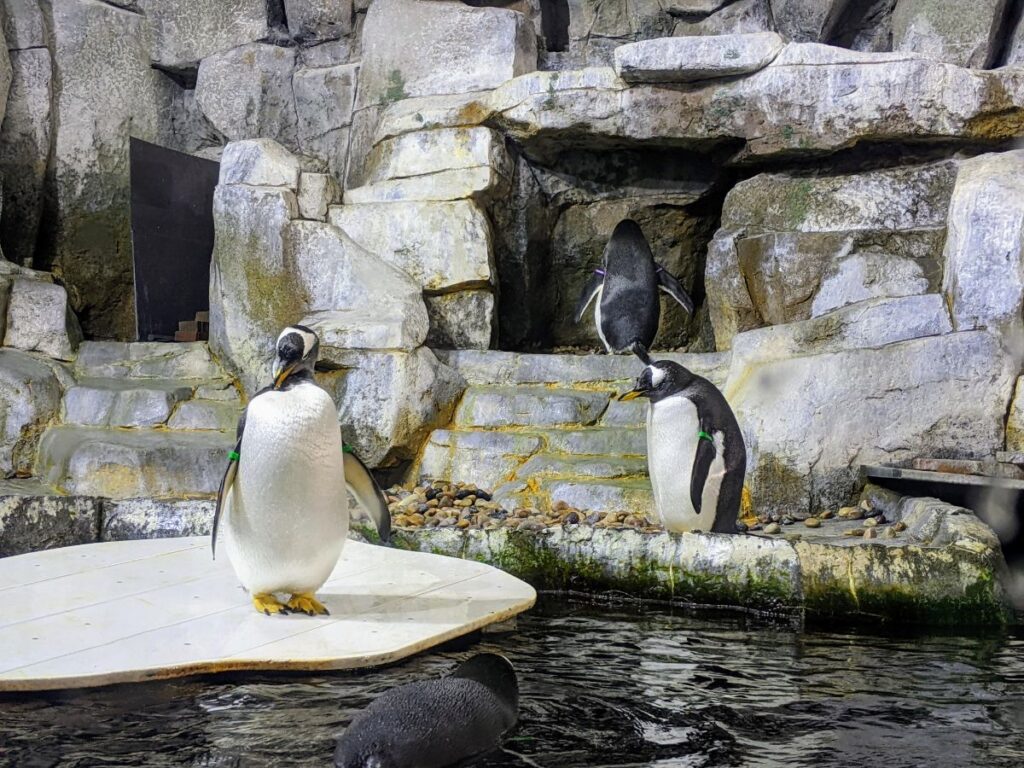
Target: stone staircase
540	429
151	420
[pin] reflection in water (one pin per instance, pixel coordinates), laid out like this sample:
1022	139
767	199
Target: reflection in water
599	688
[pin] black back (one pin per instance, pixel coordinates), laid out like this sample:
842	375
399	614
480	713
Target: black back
630	306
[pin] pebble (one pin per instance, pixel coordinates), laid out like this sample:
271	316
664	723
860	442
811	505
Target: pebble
854	532
899	526
792	536
828	514
812	522
573	518
866	505
871	533
787	520
773	528
871	522
850	513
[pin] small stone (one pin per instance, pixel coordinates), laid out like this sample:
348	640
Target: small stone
870	533
532	526
400	521
741	528
890	533
787	520
484	495
812	522
792	536
850	513
866	505
775	517
466	502
416	519
871	522
431	493
447	522
447	501
422	508
854	532
899	526
572	518
773	528
463	523
433	504
764	519
828	514
561	506
593	518
463	494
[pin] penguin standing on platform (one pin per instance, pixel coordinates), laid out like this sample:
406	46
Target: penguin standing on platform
695	452
284	496
626	290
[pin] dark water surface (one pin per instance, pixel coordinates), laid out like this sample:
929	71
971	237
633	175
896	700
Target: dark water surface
600	687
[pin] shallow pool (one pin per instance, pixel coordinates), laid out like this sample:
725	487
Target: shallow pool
600	687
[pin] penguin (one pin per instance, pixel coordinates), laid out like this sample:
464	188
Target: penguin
284	494
696	456
626	289
435	723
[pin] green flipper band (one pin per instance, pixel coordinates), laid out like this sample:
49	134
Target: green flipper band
233	456
346	448
702	435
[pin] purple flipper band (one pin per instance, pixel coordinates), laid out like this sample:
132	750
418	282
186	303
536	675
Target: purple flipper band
600	272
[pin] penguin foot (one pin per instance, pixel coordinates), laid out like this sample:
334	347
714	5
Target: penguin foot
268	604
306	602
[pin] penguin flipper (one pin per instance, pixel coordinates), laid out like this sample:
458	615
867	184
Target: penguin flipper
368	494
590	290
225	488
701	467
673	288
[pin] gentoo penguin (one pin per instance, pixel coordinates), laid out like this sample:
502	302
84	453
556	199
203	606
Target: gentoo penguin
695	452
436	722
283	498
626	290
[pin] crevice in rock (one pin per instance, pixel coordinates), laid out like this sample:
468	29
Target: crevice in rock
186	77
1012	19
856	19
554	17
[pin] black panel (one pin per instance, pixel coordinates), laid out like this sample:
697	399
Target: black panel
172	237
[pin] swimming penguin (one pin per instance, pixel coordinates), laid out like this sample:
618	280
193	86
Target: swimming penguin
626	290
695	452
284	497
436	722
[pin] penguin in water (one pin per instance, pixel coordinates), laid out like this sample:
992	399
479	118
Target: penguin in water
626	291
695	452
435	723
283	498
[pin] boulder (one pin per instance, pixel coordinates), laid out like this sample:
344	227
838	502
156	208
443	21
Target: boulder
39	320
105	91
793	247
388	402
185	31
324	98
414	48
811	421
33	517
461	320
24	25
365	329
312	21
597	28
246	93
737	18
24	150
29	400
259	162
687	59
122	402
317	192
984	255
941	30
147	360
440	245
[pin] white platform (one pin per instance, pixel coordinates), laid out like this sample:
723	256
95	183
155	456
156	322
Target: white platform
142	610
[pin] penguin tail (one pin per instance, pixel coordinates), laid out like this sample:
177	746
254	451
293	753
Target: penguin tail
640	351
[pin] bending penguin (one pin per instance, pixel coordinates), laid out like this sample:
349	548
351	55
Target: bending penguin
626	290
695	452
283	497
435	723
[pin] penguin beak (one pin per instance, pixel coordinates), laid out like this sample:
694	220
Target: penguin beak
633	394
281	376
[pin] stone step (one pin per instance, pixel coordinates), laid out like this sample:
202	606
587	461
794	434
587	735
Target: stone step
632	495
597	441
157	463
151	403
487	367
549	465
529	407
147	360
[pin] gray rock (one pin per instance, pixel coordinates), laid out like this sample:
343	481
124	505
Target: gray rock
24	25
939	29
186	31
24	151
784	239
420	49
938	396
30	392
40	519
984	255
318	20
105	91
5	74
146	360
39	320
206	414
737	18
127	519
546	465
530	407
1015	420
808	21
342	330
602	441
119	464
317	192
634	497
327	54
1015	45
441	245
324	97
488	457
596	28
388	402
224	391
687	59
246	93
461	320
123	402
629	414
482	183
259	162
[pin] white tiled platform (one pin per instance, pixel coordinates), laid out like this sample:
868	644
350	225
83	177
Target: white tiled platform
142	610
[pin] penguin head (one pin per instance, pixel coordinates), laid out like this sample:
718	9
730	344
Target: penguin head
297	350
627	252
659	380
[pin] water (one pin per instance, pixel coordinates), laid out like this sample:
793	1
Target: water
599	687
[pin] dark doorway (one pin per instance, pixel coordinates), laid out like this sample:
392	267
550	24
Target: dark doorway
172	238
